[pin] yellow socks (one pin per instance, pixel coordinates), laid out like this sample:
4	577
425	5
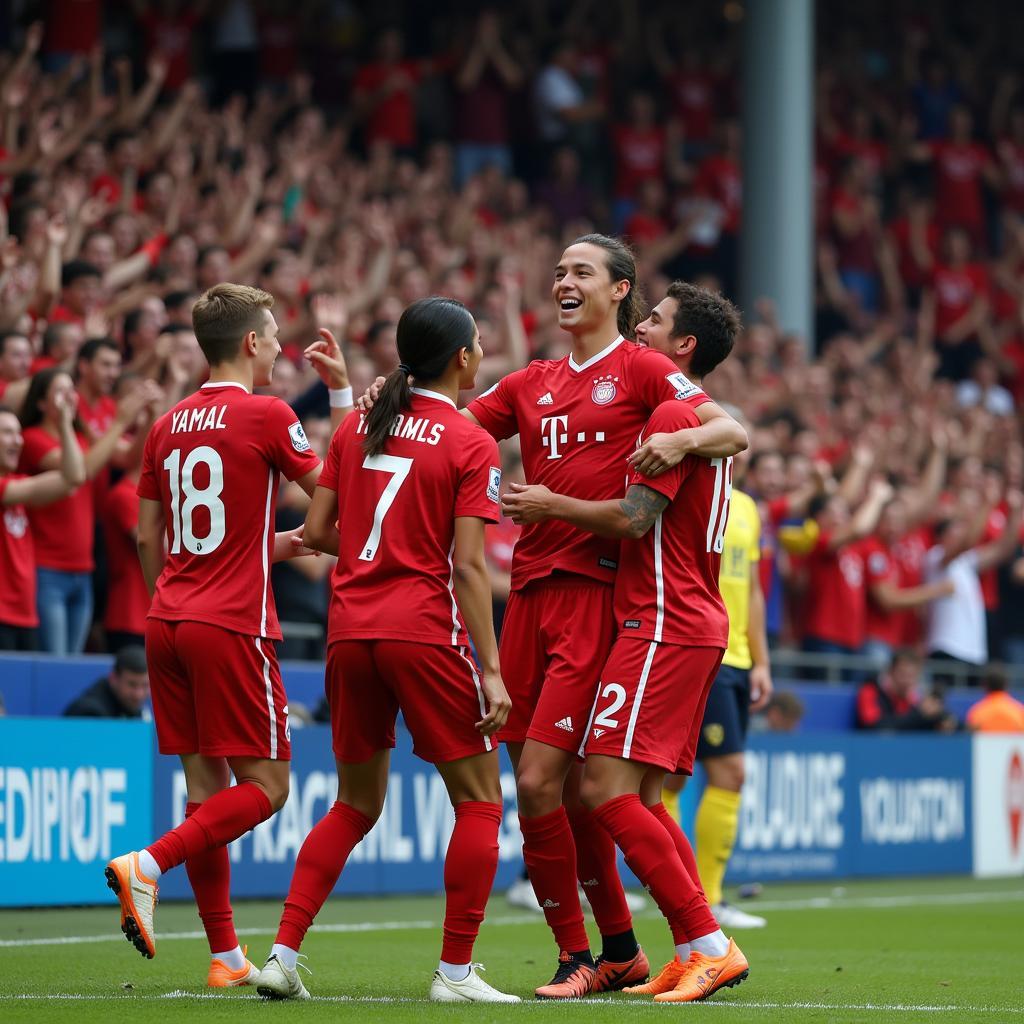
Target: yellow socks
717	821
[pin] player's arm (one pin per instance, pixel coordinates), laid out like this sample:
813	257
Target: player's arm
150	542
631	517
328	360
320	531
472	584
761	687
717	437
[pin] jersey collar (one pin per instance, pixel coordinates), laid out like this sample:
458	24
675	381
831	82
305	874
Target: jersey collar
224	384
424	393
580	367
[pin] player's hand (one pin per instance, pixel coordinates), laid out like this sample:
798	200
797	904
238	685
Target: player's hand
761	687
366	401
527	503
660	452
498	703
327	359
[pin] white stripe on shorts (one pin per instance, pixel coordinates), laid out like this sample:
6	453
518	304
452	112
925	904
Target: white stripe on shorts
270	699
479	693
627	746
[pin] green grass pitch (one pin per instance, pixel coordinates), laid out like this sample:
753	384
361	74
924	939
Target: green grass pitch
899	950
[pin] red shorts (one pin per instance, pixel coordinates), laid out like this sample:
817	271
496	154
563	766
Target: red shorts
436	688
651	702
215	692
554	641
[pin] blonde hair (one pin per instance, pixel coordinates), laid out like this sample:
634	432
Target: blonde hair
224	314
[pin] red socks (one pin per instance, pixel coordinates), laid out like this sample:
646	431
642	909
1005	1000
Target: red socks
683	847
209	874
215	822
469	869
598	873
652	856
318	868
550	856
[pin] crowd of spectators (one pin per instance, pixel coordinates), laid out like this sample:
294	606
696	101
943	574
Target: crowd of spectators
349	166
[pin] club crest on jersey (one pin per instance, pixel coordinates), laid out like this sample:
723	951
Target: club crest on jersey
604	389
299	440
494	483
685	388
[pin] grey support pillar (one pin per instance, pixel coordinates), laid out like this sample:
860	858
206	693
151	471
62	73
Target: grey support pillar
777	243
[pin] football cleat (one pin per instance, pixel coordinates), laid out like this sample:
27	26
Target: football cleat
276	981
703	975
729	916
222	976
137	895
664	981
472	989
613	977
572	980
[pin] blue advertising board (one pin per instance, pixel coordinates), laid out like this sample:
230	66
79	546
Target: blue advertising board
833	805
73	793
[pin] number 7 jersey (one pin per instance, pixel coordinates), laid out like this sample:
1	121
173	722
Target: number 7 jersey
214	462
396	521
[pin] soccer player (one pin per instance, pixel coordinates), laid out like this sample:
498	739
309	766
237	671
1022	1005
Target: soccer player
672	634
402	502
209	482
577	420
743	685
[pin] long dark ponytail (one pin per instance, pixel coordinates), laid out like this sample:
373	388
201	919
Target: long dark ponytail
430	332
621	265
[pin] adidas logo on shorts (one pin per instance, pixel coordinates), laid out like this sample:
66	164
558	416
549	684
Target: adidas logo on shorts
550	905
598	733
564	724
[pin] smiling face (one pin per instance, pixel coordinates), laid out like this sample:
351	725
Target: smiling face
267	349
583	290
656	331
10	441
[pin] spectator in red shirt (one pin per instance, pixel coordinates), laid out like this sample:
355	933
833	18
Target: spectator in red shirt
639	151
63	530
954	307
893	702
127	596
81	294
486	80
719	181
915	236
169	28
61	342
856	229
18	617
15	366
98	366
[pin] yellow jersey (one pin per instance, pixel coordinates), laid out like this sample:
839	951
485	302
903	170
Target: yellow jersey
742	549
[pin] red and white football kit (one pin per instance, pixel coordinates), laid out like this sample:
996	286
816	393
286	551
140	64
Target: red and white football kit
214	463
576	425
396	636
672	624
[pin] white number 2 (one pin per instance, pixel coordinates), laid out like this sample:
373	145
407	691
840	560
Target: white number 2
720	504
618	693
207	497
399	467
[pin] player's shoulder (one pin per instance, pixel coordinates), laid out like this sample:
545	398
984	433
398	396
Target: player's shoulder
469	434
634	353
642	359
672	415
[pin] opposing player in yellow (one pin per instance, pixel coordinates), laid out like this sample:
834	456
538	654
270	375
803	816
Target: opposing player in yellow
743	684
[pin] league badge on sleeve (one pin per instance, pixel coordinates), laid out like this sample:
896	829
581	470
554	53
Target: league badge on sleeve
604	390
299	440
685	388
494	484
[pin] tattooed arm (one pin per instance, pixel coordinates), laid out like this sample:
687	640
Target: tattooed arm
630	517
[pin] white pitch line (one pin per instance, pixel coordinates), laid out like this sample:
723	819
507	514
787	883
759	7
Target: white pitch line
611	1001
816	903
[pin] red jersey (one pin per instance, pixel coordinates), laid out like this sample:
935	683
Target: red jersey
835	608
667	586
17	564
62	530
908	556
214	462
639	156
392	118
394	579
955	291
127	595
880	624
1011	158
719	178
576	425
694	96
958	168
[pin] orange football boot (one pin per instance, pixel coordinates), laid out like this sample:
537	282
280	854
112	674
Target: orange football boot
222	976
572	980
706	974
665	980
614	977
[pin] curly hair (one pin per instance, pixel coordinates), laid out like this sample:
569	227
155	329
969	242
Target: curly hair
711	318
